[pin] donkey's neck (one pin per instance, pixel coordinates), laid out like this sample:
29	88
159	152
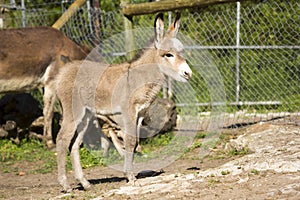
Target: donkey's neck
150	74
147	56
147	62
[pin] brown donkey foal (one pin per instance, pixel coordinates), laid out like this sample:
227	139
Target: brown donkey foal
119	92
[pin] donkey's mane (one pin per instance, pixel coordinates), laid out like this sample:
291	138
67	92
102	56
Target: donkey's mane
139	53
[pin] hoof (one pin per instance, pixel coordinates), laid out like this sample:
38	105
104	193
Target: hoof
86	185
67	189
131	179
50	144
133	183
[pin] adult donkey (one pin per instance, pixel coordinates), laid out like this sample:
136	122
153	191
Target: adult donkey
119	92
31	58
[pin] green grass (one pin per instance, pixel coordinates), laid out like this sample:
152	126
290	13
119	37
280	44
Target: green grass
197	142
235	152
34	153
254	172
163	146
160	140
157	147
33	156
225	172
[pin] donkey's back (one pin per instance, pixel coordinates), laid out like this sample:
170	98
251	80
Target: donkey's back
31	58
26	53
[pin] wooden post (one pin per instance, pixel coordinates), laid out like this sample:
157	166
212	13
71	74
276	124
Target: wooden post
168	5
68	14
96	21
129	35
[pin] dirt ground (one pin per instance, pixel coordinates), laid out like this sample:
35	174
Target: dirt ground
270	171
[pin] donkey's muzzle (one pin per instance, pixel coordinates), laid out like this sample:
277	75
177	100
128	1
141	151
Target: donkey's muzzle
185	71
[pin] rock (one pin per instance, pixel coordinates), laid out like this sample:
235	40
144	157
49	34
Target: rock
3	133
22	173
160	117
10	125
272	148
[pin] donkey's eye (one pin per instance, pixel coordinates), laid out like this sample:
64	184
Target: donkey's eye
169	55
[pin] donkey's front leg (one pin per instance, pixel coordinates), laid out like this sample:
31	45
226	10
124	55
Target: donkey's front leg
130	144
75	157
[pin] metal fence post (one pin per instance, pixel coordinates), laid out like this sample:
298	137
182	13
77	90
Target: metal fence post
167	89
88	6
23	13
13	3
238	23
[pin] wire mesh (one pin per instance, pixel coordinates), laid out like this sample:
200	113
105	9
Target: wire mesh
252	53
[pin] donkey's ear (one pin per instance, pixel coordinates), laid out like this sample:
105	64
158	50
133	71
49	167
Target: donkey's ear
174	27
158	29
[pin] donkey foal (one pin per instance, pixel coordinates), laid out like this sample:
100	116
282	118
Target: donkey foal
120	91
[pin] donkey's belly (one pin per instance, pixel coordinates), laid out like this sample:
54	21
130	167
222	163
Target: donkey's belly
19	84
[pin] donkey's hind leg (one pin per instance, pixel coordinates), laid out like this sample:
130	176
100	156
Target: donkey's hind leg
75	159
49	100
75	156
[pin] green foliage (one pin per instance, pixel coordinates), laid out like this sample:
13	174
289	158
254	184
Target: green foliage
254	172
197	141
235	152
13	157
88	159
35	13
200	135
265	74
195	145
225	172
113	157
38	95
212	181
31	151
108	5
151	144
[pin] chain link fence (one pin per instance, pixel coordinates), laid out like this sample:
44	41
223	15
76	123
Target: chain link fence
245	56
